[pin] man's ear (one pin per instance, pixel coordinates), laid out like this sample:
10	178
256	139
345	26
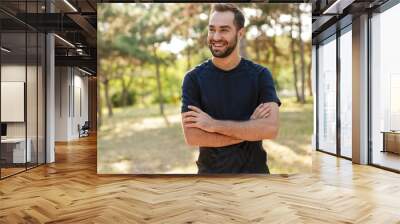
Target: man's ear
241	33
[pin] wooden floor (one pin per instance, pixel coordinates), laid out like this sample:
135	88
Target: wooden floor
70	191
387	159
10	171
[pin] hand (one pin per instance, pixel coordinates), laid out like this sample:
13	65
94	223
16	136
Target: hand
262	111
198	119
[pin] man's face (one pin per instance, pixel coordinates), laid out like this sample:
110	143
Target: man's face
222	34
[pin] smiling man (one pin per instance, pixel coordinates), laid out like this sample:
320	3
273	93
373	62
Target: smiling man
229	103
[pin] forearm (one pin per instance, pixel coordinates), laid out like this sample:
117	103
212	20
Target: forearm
198	137
251	130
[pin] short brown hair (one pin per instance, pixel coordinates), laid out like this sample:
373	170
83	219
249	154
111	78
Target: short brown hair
238	14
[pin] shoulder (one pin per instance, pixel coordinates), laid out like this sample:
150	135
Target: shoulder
256	69
191	77
198	70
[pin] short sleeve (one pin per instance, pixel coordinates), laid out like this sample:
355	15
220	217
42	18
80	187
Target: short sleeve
190	92
267	88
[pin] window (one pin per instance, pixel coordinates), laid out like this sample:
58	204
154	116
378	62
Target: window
346	75
327	95
385	88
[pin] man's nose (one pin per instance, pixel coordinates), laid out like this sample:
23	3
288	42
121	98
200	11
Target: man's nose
216	36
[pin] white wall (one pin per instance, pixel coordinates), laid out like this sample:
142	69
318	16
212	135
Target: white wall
71	94
62	80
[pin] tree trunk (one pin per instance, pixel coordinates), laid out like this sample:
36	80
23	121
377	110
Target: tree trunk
309	81
124	93
125	90
292	45
99	109
107	97
159	87
301	58
143	84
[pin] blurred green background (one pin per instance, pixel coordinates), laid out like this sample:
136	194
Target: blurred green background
144	51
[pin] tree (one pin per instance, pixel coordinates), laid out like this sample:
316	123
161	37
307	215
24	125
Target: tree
301	43
144	39
192	29
267	18
132	46
293	53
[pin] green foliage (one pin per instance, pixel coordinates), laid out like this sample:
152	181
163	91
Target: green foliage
133	56
117	99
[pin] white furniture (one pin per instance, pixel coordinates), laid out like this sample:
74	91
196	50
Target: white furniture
19	149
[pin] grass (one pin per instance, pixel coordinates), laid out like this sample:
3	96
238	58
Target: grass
139	140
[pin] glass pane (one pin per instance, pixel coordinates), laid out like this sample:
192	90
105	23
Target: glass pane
41	98
327	97
13	86
346	94
31	97
31	86
386	89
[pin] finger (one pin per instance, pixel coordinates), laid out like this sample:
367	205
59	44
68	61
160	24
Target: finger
257	110
265	109
263	105
261	112
190	114
267	105
260	106
189	119
198	110
266	115
195	109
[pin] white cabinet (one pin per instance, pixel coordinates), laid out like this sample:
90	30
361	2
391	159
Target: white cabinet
18	149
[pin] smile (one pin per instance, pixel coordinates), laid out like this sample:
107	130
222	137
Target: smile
218	44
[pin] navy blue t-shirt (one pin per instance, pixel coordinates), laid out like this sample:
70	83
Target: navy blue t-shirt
230	95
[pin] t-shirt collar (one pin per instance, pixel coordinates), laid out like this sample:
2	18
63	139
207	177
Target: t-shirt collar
227	71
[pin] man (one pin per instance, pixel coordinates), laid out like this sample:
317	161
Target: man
229	104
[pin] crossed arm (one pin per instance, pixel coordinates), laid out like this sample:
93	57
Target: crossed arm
202	130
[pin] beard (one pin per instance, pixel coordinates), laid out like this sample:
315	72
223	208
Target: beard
223	53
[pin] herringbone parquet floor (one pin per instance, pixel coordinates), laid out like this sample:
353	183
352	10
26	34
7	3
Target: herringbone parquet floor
70	191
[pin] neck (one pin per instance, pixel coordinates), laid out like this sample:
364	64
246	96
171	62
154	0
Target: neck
227	63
